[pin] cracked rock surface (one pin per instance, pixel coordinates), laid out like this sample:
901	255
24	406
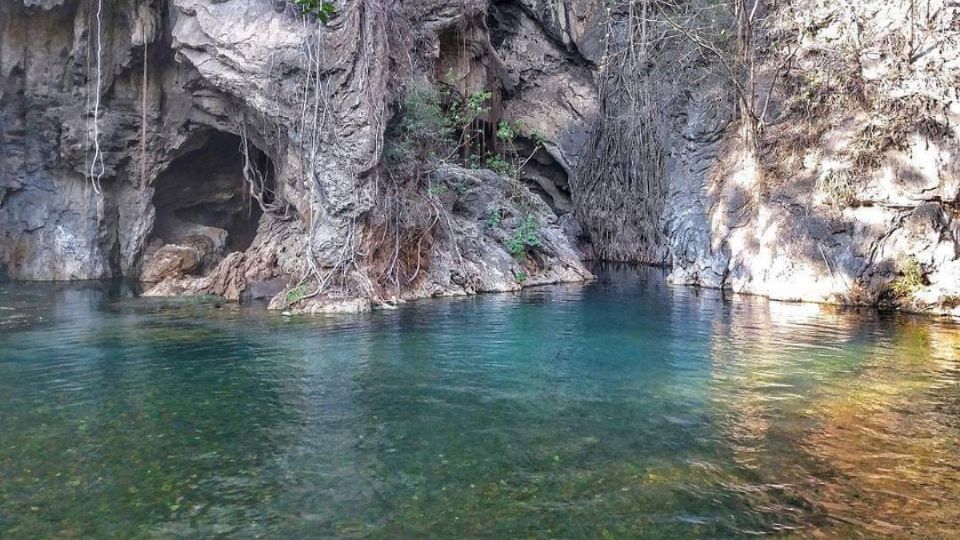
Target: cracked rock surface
237	148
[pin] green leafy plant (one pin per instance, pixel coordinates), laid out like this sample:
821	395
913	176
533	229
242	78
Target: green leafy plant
464	113
437	190
423	129
499	165
538	138
525	237
475	161
507	131
319	8
510	163
477	102
434	124
296	294
495	162
520	276
910	279
495	218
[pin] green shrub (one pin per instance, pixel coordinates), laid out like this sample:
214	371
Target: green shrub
475	161
526	236
422	130
475	106
520	276
507	131
319	8
296	294
538	138
499	165
495	218
434	124
495	162
437	190
910	279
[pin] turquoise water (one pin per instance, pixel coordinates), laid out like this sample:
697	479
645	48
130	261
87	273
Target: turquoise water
621	408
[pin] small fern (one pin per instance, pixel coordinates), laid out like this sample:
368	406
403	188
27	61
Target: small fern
526	236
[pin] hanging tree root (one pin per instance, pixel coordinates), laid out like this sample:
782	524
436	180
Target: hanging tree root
257	182
97	167
345	275
625	155
407	223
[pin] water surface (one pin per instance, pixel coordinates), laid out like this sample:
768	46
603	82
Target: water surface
621	408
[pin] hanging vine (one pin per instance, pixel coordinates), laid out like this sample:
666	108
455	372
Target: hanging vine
625	158
143	118
257	179
352	70
97	167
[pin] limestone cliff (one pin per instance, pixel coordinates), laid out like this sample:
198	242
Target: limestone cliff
242	148
237	148
852	194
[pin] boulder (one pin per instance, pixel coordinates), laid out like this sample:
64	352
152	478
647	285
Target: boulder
172	261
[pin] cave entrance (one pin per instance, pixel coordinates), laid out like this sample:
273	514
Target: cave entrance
203	207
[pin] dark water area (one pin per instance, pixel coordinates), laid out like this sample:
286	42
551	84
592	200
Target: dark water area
620	408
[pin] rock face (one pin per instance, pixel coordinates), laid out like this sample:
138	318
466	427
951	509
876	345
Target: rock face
228	147
855	181
241	148
171	261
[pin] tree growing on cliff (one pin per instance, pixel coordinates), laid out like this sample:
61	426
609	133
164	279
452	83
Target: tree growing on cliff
727	32
434	126
654	53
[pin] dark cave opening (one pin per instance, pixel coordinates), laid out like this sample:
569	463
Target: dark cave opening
202	202
544	175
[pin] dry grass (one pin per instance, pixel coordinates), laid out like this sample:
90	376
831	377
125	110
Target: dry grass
839	185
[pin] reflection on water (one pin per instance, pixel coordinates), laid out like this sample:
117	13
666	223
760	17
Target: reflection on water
624	407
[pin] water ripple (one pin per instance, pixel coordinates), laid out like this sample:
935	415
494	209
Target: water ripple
622	408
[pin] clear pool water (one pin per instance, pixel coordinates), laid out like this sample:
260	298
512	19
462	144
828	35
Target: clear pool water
622	408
